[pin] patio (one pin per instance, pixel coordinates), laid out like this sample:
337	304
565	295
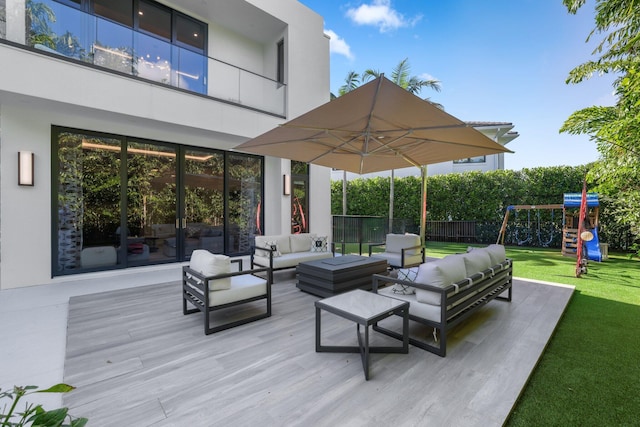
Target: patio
136	360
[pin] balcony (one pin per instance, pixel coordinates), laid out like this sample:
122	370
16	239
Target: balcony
55	29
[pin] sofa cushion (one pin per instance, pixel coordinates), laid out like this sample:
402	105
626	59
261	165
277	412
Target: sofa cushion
476	261
440	273
301	242
292	259
319	244
242	287
496	253
208	264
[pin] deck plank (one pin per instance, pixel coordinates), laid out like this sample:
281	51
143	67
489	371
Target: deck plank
132	354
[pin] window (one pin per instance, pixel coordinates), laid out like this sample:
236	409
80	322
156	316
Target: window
280	70
120	202
154	19
479	159
117	10
190	32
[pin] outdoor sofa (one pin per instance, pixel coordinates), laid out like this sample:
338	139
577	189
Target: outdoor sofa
445	292
287	251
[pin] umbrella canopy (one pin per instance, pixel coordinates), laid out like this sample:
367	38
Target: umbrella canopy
376	127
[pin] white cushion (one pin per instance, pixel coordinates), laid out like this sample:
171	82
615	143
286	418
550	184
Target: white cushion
441	273
242	287
397	242
208	264
292	259
425	311
496	253
476	261
301	242
319	244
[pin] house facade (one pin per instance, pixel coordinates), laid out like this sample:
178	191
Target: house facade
118	122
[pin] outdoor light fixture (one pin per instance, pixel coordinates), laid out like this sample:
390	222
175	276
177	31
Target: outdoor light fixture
286	185
25	168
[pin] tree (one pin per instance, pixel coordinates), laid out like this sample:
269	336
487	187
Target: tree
351	82
615	129
400	76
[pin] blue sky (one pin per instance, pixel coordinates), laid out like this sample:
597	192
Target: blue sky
497	60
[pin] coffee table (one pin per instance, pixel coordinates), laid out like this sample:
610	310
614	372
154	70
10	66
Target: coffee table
331	276
365	309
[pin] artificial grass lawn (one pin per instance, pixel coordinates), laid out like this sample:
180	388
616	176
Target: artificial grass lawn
589	373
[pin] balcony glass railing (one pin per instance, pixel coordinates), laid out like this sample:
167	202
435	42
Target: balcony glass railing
69	32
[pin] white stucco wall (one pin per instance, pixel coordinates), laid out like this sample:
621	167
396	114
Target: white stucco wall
38	91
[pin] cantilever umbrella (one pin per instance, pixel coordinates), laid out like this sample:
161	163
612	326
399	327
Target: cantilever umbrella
376	127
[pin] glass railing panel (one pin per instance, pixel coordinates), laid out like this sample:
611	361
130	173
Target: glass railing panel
55	28
152	59
112	47
63	30
191	70
264	94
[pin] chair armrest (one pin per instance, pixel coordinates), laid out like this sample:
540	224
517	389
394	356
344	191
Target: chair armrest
206	279
412	248
371	245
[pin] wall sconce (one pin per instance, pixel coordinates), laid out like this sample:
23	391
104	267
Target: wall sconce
286	185
25	168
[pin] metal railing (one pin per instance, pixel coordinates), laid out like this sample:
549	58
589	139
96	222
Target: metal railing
81	37
365	230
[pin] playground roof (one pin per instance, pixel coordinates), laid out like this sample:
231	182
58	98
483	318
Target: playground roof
573	200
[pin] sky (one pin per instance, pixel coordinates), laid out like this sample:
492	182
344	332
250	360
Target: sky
496	61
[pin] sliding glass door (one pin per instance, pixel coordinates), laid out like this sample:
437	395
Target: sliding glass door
123	202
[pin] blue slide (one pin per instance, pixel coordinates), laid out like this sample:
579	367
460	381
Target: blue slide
593	247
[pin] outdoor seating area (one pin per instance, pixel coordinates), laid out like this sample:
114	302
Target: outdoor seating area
136	363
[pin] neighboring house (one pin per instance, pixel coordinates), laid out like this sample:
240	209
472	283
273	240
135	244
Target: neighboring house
501	132
132	109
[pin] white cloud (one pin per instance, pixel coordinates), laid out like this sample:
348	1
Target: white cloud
338	45
380	14
427	76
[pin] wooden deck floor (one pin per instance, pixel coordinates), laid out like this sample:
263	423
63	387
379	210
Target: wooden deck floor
136	360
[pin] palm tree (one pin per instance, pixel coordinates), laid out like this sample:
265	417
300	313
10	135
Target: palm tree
351	82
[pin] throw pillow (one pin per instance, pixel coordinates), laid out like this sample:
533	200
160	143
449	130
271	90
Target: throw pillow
408	275
273	245
319	244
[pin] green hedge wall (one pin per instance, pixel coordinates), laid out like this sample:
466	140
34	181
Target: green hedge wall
475	196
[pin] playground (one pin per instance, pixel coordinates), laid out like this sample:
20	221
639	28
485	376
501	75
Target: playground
538	225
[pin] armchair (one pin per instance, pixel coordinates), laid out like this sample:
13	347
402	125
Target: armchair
400	250
209	285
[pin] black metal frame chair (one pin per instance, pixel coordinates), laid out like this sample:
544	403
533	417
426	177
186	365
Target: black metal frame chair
195	290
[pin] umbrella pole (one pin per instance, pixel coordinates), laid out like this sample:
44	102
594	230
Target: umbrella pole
423	214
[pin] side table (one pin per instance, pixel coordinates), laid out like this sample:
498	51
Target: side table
365	309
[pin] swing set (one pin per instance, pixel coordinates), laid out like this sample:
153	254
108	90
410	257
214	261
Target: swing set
524	235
